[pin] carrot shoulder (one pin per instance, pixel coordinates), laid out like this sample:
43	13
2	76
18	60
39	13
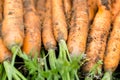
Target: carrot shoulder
98	35
79	28
13	29
32	40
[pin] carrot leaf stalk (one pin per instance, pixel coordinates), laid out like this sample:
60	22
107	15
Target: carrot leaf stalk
12	72
14	50
95	69
107	76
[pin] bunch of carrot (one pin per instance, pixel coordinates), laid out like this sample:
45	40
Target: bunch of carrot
58	39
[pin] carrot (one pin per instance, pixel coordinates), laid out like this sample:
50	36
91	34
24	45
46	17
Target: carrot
32	40
48	37
79	29
115	8
98	35
61	34
13	29
1	10
41	9
92	9
112	55
68	7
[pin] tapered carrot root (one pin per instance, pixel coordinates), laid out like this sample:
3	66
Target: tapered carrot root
79	29
112	55
98	35
32	40
115	8
92	9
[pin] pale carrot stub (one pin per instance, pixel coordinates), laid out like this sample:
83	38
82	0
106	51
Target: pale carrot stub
13	29
59	21
47	30
112	56
79	29
4	52
98	35
32	40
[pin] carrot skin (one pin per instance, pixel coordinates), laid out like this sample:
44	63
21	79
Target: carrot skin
47	30
98	35
112	55
13	29
4	52
59	21
32	40
79	28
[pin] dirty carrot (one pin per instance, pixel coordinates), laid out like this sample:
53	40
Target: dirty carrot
112	55
115	8
13	29
92	9
32	39
98	36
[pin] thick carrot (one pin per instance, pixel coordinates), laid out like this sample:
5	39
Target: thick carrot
112	55
92	9
115	8
13	29
32	40
98	35
79	29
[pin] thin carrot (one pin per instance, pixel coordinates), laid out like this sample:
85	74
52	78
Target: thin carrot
112	55
32	40
40	6
92	9
98	35
61	34
68	7
48	37
115	8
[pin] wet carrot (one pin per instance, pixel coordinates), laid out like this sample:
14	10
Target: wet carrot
32	40
98	35
112	55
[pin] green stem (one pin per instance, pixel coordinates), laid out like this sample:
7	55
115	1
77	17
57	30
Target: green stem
107	76
16	77
14	50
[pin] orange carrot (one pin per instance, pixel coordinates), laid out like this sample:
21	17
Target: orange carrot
115	8
41	9
112	55
1	10
32	40
79	29
92	9
47	31
98	35
13	29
